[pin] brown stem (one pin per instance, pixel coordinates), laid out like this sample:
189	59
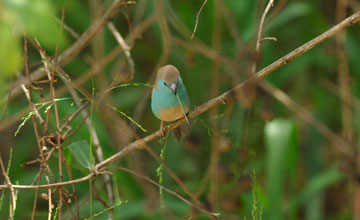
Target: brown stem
168	191
12	201
197	19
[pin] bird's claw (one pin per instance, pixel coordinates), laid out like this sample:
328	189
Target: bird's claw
162	129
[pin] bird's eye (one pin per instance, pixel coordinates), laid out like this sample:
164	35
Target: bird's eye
165	84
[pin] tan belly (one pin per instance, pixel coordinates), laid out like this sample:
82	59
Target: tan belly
173	113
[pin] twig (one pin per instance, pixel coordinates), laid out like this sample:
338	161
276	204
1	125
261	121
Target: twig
197	19
124	46
51	76
52	185
268	38
12	192
208	52
36	194
27	94
344	78
94	136
302	113
77	112
31	103
73	187
168	170
248	99
230	20
49	198
66	135
168	190
212	194
259	36
71	31
173	175
336	90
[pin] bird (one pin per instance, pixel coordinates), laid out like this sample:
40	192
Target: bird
169	98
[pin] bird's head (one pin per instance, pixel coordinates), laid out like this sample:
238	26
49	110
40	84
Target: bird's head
169	76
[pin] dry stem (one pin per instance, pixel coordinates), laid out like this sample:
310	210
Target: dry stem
197	19
168	190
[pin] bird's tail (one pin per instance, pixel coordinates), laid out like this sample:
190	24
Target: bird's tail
181	131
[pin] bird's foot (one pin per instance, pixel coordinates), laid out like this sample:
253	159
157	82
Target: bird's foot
162	129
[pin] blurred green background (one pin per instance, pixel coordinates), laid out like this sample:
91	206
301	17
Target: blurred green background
254	158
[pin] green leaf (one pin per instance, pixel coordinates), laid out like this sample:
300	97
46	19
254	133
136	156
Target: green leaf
81	150
36	18
316	185
280	137
10	52
290	12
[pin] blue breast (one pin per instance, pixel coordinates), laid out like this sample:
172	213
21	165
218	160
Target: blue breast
163	98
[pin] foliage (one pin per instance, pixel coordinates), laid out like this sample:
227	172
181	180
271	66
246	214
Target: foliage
251	158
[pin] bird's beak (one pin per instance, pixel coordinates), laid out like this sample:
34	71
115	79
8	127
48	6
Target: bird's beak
173	88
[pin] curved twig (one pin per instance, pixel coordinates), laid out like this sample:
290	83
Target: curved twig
197	19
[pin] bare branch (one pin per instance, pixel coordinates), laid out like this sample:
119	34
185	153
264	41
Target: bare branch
259	35
12	192
123	45
305	115
197	19
168	191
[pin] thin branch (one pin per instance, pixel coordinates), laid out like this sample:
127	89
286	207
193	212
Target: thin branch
52	185
168	191
71	31
336	90
12	192
306	116
213	192
344	78
124	46
259	35
36	194
27	94
197	19
94	136
73	187
67	134
77	112
49	198
268	38
173	175
51	76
